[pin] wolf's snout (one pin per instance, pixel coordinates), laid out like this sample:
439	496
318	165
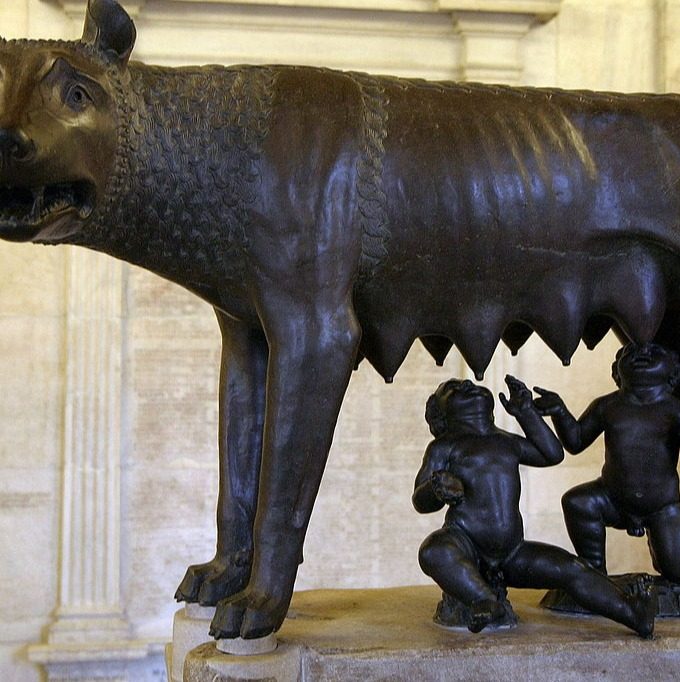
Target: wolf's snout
15	146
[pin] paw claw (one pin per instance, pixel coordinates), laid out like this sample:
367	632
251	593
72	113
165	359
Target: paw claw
249	616
218	579
226	623
257	624
188	588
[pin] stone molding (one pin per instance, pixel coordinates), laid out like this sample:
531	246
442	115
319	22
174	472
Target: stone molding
492	46
489	32
543	9
75	9
539	9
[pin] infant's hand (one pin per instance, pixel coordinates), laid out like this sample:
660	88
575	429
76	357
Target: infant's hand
447	488
549	403
520	400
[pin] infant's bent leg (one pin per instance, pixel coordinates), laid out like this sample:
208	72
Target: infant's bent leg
449	558
588	510
663	537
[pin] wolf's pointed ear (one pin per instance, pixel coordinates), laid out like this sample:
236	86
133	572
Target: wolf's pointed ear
109	28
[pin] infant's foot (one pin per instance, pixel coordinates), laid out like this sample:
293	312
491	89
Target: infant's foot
485	612
644	604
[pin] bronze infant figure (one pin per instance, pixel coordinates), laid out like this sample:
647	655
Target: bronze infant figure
330	217
473	466
638	489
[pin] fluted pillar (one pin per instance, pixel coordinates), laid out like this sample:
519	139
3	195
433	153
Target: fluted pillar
90	625
89	598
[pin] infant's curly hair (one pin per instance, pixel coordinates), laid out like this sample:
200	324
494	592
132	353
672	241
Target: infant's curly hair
435	408
673	379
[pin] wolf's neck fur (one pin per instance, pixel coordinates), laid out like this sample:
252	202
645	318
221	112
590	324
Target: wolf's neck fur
187	167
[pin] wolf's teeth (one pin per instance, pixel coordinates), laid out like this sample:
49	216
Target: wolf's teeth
38	203
85	212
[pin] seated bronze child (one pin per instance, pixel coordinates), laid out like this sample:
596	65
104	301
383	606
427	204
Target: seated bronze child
473	466
638	487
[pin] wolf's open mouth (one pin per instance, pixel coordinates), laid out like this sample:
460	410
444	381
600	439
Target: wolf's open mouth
32	206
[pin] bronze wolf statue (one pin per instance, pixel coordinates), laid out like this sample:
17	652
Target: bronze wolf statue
330	217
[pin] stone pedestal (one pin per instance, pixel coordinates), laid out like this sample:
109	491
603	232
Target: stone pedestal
372	635
190	629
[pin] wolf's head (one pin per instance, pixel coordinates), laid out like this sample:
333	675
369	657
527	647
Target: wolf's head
59	126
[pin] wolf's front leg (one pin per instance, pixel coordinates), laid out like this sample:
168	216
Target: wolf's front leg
241	418
312	353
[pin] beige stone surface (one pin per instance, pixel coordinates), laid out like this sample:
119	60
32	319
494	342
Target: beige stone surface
248	647
373	635
190	627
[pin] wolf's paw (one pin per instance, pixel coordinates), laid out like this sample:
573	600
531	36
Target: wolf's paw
211	582
250	614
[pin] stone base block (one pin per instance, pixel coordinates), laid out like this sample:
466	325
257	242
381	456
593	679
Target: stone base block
376	635
190	628
207	664
247	647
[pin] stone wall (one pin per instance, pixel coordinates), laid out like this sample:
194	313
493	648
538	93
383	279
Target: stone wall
108	475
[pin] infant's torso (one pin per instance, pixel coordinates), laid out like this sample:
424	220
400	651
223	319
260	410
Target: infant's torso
641	453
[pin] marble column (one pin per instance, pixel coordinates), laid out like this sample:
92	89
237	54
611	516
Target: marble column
89	602
90	628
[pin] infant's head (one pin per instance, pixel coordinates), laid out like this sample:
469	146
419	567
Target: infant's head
647	365
457	399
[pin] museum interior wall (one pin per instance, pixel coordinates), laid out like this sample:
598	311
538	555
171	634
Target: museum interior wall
108	376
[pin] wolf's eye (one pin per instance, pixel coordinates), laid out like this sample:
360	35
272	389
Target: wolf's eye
77	97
